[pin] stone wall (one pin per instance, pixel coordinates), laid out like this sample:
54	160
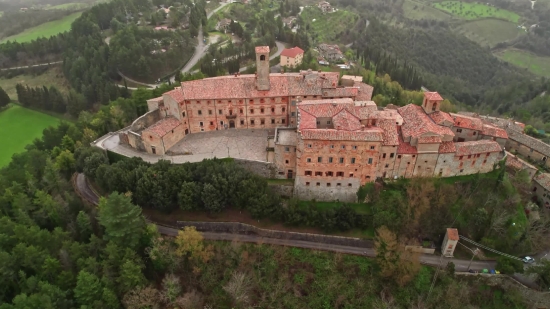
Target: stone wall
513	146
264	169
283	190
343	189
146	120
241	228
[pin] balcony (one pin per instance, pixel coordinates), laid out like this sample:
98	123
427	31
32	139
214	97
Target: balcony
231	116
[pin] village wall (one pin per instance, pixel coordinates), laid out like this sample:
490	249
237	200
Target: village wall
146	120
425	164
526	152
261	168
342	189
447	165
386	161
283	190
404	165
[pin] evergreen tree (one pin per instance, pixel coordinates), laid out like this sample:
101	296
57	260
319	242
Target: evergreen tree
121	219
4	98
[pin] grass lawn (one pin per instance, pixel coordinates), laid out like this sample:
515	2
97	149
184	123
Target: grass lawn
53	76
20	126
490	31
536	64
328	27
45	30
416	11
475	10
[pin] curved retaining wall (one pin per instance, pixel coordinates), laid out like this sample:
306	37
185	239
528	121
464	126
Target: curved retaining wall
242	228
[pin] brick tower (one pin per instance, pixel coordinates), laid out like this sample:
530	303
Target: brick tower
262	67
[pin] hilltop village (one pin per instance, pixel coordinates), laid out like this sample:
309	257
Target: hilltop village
328	134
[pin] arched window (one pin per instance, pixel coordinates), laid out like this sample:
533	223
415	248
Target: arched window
262	57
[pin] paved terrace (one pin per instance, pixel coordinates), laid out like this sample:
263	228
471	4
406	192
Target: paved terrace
239	144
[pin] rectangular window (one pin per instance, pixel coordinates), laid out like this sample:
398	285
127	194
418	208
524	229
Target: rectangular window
283	109
272	109
328	121
458	130
183	114
391	155
262	121
338	184
329	159
251	111
341	160
242	122
211	123
383	156
261	110
287	149
350	174
308	145
308	160
200	124
354	147
328	184
200	112
318	173
399	156
219	111
283	120
319	159
352	160
331	146
307	183
387	165
318	184
241	110
330	174
318	122
209	112
349	185
370	161
372	147
293	114
272	121
252	121
308	173
460	158
339	174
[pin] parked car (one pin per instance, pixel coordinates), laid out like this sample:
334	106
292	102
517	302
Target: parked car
492	272
528	260
472	271
485	271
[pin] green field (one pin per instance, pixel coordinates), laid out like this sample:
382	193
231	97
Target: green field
536	64
475	10
20	126
52	77
45	30
330	27
417	11
490	31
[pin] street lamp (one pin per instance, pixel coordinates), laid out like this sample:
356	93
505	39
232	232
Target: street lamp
474	253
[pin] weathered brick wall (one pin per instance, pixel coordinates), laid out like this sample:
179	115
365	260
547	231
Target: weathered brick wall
404	165
241	228
264	169
146	120
425	164
172	138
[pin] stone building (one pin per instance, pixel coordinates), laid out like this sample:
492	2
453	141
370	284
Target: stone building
325	7
331	139
529	147
541	189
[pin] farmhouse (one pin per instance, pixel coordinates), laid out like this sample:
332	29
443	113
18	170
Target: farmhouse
331	139
292	57
325	7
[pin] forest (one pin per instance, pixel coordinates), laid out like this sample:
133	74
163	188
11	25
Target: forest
14	22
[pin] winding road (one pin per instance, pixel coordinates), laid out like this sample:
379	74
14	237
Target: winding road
85	191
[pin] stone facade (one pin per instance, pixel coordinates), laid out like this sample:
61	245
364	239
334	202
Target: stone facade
528	147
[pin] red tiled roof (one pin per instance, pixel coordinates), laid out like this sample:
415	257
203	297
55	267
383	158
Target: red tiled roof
176	94
162	127
390	132
476	147
365	92
262	49
447	147
416	122
292	52
368	135
452	234
429	140
543	180
433	96
344	120
440	118
463	121
306	120
405	148
340	92
494	131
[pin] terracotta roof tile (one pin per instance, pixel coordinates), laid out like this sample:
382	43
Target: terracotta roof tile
452	234
433	96
543	180
405	148
292	52
176	94
447	147
429	140
262	49
463	121
368	135
441	118
162	127
489	130
344	120
416	122
390	134
364	92
476	147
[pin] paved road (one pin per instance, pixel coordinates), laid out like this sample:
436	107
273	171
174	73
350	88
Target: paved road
32	66
431	260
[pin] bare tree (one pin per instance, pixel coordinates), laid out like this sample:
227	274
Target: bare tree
238	288
147	297
190	300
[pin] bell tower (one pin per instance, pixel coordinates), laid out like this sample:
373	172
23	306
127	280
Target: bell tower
262	67
431	102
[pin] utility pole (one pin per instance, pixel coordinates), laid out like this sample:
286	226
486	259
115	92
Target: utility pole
474	253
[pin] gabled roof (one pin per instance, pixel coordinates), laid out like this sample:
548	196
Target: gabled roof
530	142
434	96
543	180
163	126
176	94
452	234
447	147
466	122
476	147
368	135
441	118
405	148
489	130
262	49
344	120
292	52
417	123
